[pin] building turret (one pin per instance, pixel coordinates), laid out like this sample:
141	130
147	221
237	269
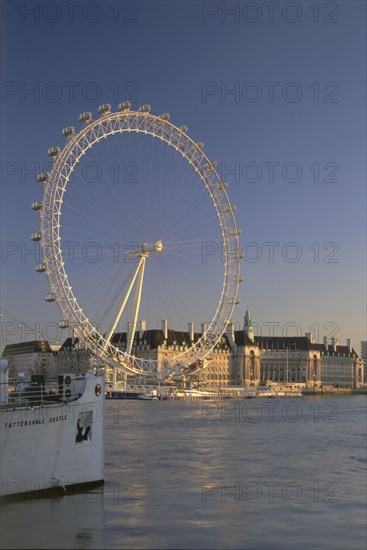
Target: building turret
247	325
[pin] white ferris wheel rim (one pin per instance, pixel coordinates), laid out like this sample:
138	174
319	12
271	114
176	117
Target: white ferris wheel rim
55	184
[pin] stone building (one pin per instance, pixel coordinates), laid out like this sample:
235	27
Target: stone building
239	359
299	360
295	360
72	357
163	344
341	367
27	358
246	355
364	358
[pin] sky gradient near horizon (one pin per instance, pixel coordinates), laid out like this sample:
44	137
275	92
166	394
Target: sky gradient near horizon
276	91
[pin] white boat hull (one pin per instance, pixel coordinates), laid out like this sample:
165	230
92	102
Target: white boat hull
53	446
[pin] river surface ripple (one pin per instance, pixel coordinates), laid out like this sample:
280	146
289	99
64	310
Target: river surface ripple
251	474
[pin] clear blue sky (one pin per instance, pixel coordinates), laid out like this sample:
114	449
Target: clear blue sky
276	94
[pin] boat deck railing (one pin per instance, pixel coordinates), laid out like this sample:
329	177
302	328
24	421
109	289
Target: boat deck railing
30	394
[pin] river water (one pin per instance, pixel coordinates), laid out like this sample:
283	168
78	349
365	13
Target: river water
250	474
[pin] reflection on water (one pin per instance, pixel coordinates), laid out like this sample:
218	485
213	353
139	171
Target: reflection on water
73	521
237	474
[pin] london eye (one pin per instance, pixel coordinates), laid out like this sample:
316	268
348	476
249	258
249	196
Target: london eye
135	222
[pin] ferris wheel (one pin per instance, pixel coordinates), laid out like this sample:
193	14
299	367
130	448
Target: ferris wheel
162	223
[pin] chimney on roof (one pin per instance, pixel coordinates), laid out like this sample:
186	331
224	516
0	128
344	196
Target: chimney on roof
165	329
143	328
190	330
203	330
230	333
310	337
349	345
334	343
325	342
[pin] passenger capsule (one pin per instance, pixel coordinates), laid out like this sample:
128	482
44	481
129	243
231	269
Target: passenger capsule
37	205
184	129
230	208
235	231
199	144
40	268
144	109
68	131
51	297
43	177
104	109
85	117
36	236
124	106
165	116
54	151
241	278
63	324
